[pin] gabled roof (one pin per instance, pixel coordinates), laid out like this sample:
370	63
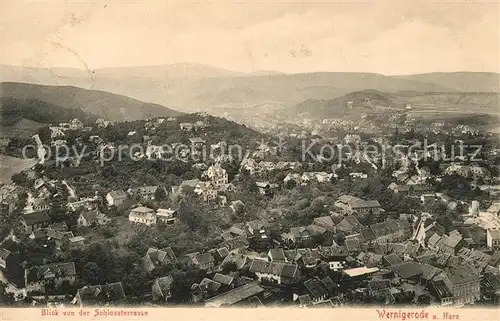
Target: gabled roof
407	269
223	279
210	285
368	234
162	256
204	258
281	269
349	222
37	273
234	296
316	288
380	229
101	293
277	255
36	218
393	259
239	259
117	194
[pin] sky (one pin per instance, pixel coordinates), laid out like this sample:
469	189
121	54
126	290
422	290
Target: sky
381	37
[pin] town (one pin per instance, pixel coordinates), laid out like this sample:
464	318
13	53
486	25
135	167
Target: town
262	229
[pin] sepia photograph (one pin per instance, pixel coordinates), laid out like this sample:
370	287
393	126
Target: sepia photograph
237	154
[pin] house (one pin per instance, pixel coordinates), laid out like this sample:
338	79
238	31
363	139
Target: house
493	239
303	234
166	216
276	255
281	273
305	300
359	272
349	225
155	258
197	141
354	205
9	262
142	215
116	198
265	188
442	292
92	218
186	126
227	282
204	261
146	192
94	295
451	243
357	175
377	286
237	296
34	221
237	206
325	222
239	259
76	241
217	176
46	278
316	289
59	238
465	285
161	289
207	191
409	270
415	190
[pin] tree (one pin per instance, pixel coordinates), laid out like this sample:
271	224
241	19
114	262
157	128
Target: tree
93	274
290	184
160	194
229	267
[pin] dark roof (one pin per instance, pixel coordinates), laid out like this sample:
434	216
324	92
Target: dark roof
37	273
378	285
234	296
277	255
354	243
380	229
316	288
90	216
305	300
462	274
348	223
441	289
36	218
282	269
329	284
367	234
393	259
407	269
101	293
204	258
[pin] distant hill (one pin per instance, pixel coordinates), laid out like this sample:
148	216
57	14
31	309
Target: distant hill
460	81
352	103
190	87
14	110
93	102
367	101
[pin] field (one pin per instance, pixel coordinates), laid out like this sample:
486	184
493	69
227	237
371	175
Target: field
10	165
